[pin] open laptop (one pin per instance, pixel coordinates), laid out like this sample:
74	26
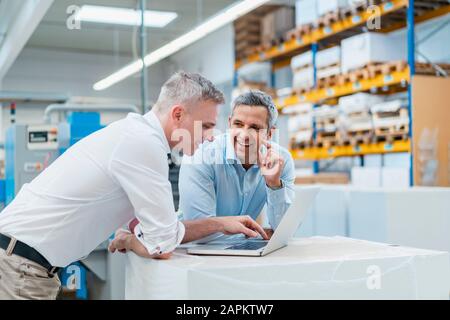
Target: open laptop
259	247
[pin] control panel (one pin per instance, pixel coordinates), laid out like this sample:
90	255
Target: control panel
43	137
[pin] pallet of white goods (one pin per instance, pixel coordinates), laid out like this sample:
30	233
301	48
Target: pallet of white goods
359	100
328	57
299	108
391	122
301	121
303	136
359	125
389	106
302	60
329	71
303	79
326	111
369	47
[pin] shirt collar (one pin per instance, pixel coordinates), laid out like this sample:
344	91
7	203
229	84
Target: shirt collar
154	121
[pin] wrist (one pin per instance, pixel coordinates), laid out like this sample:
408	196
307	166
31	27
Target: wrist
216	225
275	185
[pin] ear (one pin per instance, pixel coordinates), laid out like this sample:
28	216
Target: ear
229	122
177	113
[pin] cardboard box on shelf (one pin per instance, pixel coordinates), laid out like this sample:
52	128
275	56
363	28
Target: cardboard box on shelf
274	25
363	49
431	132
306	12
323	178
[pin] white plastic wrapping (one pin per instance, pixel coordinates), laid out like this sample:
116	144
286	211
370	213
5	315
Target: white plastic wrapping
312	268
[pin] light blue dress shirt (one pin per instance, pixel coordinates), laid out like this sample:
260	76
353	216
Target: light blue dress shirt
213	182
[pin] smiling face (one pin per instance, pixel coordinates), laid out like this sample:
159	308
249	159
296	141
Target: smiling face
248	126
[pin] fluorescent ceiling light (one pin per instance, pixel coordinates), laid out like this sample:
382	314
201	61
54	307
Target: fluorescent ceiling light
129	17
216	22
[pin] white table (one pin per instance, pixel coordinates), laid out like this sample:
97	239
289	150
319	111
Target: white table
309	268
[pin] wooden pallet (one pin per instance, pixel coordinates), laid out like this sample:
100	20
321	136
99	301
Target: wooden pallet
359	136
301	145
376	69
401	113
299	32
328	139
300	91
328	81
327	19
391	134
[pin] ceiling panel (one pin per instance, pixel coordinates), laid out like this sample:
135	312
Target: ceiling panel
53	33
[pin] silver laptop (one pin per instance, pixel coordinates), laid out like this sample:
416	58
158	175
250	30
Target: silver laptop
259	247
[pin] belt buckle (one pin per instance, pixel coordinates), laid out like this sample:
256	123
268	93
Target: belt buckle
11	246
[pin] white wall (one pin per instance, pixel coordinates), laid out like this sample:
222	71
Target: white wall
213	56
74	73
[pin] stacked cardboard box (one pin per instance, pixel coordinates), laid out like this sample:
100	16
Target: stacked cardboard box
323	178
247	35
274	26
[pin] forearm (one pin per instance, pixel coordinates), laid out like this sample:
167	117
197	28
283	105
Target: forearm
198	229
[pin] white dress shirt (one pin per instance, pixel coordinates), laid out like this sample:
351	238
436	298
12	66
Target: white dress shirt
96	187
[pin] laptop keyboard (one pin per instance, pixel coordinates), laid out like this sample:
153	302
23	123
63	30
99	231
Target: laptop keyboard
249	245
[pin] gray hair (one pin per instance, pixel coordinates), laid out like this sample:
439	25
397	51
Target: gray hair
258	98
187	89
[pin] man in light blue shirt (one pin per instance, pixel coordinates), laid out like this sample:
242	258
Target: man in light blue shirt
241	171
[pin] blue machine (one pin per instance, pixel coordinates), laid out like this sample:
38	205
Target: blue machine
29	149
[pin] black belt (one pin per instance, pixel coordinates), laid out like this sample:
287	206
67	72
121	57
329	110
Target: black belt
25	251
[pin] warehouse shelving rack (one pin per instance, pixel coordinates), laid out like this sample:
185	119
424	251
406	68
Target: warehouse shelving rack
280	56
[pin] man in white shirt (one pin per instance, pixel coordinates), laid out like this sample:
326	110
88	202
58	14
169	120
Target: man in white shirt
101	183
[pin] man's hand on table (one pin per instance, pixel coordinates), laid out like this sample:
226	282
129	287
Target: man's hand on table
125	241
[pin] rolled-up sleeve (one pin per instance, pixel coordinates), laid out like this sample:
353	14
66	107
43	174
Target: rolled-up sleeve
141	169
279	201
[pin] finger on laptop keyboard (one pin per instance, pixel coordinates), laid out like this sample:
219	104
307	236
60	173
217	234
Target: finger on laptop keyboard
252	224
